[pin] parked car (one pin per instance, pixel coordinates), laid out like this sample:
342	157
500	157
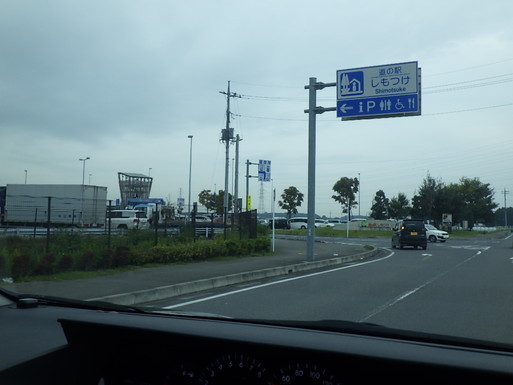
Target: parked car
323	223
279	223
203	218
409	232
127	219
302	223
263	221
298	223
433	234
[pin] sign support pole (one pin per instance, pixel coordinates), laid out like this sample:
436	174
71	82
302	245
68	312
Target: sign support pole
351	107
312	111
312	101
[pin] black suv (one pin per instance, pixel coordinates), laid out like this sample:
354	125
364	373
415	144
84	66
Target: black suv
409	232
279	223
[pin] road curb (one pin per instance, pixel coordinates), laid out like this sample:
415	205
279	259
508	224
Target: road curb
169	291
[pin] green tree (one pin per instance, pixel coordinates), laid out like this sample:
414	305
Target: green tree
207	199
449	201
469	200
477	200
346	188
219	199
424	202
291	200
379	209
398	207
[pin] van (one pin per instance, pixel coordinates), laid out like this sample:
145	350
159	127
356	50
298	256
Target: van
409	232
298	223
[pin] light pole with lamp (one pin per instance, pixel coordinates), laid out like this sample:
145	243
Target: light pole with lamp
83	160
190	172
359	201
83	168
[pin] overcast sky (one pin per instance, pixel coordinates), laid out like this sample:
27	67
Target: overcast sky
126	82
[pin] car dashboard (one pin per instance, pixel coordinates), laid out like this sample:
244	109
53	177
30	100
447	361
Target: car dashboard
44	344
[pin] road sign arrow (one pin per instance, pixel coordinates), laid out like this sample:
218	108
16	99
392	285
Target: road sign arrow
344	108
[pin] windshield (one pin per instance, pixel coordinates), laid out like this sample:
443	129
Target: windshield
202	114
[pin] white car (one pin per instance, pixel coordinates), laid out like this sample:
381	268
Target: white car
433	234
323	223
127	219
298	223
203	218
302	223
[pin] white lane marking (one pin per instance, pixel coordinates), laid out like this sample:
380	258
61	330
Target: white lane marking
406	294
471	247
276	282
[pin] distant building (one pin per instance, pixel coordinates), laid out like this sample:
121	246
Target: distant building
132	185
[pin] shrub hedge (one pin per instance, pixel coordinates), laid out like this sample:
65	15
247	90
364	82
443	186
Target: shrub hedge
21	258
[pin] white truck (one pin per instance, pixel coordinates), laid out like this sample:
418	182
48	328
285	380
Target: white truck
67	204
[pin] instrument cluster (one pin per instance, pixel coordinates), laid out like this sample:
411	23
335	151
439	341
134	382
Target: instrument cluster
243	368
234	368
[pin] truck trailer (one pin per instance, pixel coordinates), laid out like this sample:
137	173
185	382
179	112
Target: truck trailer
57	204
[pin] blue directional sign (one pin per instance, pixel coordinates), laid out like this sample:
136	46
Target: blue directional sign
264	170
399	104
379	91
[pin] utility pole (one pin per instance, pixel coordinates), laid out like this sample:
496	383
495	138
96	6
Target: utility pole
190	172
227	137
505	192
236	207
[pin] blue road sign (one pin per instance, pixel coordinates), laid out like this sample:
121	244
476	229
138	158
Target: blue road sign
383	105
264	170
379	91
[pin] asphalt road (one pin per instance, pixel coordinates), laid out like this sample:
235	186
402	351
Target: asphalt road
459	288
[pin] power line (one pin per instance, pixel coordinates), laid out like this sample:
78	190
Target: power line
272	118
429	114
470	81
466	84
468	109
267	85
471	68
449	87
464	87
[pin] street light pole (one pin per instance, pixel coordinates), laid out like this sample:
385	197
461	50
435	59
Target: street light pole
83	160
190	173
83	169
359	199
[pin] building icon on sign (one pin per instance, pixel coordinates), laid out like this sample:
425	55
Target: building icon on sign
351	83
